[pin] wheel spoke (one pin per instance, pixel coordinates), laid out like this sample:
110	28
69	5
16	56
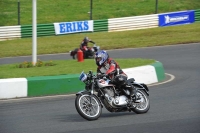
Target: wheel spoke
143	104
89	107
86	100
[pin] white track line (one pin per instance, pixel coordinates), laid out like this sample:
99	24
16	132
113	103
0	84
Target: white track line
172	77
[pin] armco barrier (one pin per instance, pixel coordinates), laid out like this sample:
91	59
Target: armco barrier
133	23
42	30
100	25
10	32
197	15
66	84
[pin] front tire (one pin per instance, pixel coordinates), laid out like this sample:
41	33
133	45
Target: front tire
88	110
144	105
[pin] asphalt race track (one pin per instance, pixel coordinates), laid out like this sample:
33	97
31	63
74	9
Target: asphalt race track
175	105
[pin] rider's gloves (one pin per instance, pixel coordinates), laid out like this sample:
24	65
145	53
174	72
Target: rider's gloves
98	75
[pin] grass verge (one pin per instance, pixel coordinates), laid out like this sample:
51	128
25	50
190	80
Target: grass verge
64	67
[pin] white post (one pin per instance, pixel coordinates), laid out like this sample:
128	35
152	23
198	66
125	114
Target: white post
34	32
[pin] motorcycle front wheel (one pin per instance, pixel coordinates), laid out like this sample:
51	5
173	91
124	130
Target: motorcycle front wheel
88	106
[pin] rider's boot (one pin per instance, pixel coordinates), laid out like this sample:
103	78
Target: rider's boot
133	95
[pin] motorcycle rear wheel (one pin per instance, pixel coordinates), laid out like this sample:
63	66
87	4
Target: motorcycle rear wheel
88	110
144	105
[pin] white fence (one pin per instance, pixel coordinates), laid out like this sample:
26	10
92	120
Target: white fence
133	23
10	32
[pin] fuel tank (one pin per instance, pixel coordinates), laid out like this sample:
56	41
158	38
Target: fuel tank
104	83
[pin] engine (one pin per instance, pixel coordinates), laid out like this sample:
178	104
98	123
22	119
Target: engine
113	100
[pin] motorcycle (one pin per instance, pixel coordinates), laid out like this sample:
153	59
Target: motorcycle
100	91
86	54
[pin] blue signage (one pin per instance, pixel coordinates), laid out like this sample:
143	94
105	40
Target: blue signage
176	18
73	27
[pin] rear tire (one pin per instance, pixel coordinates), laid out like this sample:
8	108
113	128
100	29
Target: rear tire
85	109
144	105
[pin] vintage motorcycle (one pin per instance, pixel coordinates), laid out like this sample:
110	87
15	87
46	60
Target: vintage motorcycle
100	91
87	54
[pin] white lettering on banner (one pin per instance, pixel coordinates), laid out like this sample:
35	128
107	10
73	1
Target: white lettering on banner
72	27
176	18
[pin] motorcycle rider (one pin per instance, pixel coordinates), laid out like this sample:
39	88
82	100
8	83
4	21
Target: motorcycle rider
112	70
84	45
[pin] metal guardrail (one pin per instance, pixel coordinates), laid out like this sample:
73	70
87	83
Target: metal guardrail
10	32
42	30
133	23
100	25
197	15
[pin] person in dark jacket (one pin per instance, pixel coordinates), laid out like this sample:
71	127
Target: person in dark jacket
84	44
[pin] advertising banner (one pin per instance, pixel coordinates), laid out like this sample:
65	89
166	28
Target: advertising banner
73	27
176	18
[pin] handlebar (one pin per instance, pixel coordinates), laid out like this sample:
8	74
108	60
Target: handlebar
100	75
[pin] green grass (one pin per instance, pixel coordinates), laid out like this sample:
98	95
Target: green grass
64	67
49	11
